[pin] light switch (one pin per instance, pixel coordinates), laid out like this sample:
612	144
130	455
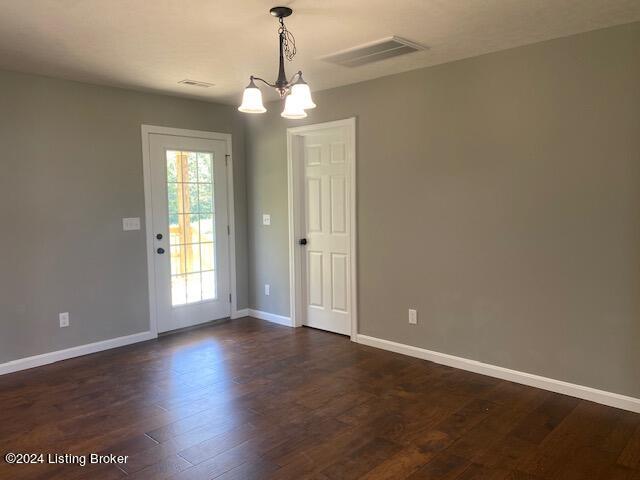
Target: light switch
266	219
131	223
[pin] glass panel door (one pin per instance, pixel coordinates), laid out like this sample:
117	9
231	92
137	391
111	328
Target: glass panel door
190	222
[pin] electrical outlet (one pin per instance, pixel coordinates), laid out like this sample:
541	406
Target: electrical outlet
64	319
267	289
266	219
413	316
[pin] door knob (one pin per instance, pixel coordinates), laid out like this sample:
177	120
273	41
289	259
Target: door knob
160	251
303	241
159	236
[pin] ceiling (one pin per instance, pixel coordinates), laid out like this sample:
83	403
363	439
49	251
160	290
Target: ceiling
153	44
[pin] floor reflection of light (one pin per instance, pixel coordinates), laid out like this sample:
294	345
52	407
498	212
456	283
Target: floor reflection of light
199	380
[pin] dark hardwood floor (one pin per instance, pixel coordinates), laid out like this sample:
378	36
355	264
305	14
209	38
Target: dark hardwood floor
252	400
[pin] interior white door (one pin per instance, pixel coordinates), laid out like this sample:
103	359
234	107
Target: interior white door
190	228
327	224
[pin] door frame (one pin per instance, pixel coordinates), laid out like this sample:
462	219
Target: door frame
296	218
147	131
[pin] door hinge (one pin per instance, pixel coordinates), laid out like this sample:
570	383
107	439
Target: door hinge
229	298
228	230
226	160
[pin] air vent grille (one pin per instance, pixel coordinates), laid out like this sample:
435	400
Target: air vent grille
373	52
195	83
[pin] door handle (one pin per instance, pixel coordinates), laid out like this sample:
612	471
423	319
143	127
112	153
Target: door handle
159	236
303	241
160	251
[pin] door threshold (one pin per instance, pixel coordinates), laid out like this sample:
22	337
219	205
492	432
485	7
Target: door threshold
210	323
346	335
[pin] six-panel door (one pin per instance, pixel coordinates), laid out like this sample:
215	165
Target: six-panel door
327	263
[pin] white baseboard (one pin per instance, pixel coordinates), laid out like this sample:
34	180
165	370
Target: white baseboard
271	317
240	313
587	393
51	357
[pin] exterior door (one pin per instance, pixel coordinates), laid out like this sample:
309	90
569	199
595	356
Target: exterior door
190	229
326	265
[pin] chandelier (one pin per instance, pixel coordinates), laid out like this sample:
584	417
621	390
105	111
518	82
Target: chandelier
295	91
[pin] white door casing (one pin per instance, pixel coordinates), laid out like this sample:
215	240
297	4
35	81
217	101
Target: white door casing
322	210
193	281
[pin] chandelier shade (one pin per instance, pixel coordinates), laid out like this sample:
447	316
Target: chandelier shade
302	92
252	99
293	108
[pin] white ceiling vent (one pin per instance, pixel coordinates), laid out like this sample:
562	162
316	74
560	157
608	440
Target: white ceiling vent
373	52
195	83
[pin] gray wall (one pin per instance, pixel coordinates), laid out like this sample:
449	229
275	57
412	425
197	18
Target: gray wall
498	195
71	162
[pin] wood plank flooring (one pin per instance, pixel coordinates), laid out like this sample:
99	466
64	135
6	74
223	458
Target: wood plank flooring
252	400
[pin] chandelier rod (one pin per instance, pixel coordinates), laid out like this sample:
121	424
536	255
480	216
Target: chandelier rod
281	82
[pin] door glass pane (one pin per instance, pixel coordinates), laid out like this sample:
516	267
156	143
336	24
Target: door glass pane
178	256
172	172
205	167
191	228
193	258
192	166
172	190
208	285
207	230
207	255
205	198
194	288
191	198
178	290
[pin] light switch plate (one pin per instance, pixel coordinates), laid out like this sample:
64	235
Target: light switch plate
266	219
267	289
131	223
413	316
